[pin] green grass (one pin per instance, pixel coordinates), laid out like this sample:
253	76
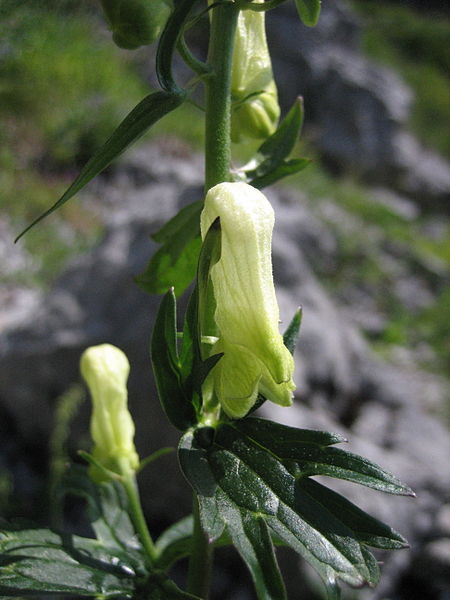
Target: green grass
416	45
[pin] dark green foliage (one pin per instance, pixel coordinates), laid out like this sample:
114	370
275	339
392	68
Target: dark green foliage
253	478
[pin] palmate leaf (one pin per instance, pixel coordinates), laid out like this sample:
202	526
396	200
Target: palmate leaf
240	478
175	263
149	110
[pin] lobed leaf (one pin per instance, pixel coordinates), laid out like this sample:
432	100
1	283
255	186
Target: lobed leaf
242	483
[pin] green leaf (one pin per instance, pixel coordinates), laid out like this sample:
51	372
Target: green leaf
308	11
288	444
175	542
209	255
241	482
286	168
281	143
42	561
168	43
160	587
251	537
291	334
152	108
108	512
369	531
176	403
175	263
282	438
188	217
271	164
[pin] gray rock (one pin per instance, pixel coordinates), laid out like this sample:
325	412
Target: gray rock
357	111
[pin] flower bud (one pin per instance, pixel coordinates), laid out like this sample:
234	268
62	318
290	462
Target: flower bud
136	23
255	360
105	369
255	113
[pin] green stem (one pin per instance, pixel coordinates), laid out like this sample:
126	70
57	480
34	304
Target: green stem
200	563
137	515
218	94
217	169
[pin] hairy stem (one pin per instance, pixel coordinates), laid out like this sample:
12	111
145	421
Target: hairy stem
218	96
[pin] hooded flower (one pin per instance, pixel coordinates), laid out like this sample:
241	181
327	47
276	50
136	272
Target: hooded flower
255	358
105	369
256	110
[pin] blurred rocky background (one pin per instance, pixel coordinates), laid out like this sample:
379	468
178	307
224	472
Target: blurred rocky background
362	243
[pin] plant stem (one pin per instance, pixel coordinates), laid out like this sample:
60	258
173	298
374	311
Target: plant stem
217	169
218	94
200	563
137	515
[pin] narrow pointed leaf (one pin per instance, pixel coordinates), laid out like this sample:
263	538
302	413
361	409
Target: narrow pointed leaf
270	163
251	537
291	334
369	530
150	110
176	404
281	143
209	255
307	449
286	168
308	11
175	263
282	438
341	464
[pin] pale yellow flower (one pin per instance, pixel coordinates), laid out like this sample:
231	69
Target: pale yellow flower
105	369
247	315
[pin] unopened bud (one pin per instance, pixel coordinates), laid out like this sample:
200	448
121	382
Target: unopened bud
256	111
105	369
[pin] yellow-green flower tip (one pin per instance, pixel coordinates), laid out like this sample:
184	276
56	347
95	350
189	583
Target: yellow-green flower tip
255	358
105	369
256	111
